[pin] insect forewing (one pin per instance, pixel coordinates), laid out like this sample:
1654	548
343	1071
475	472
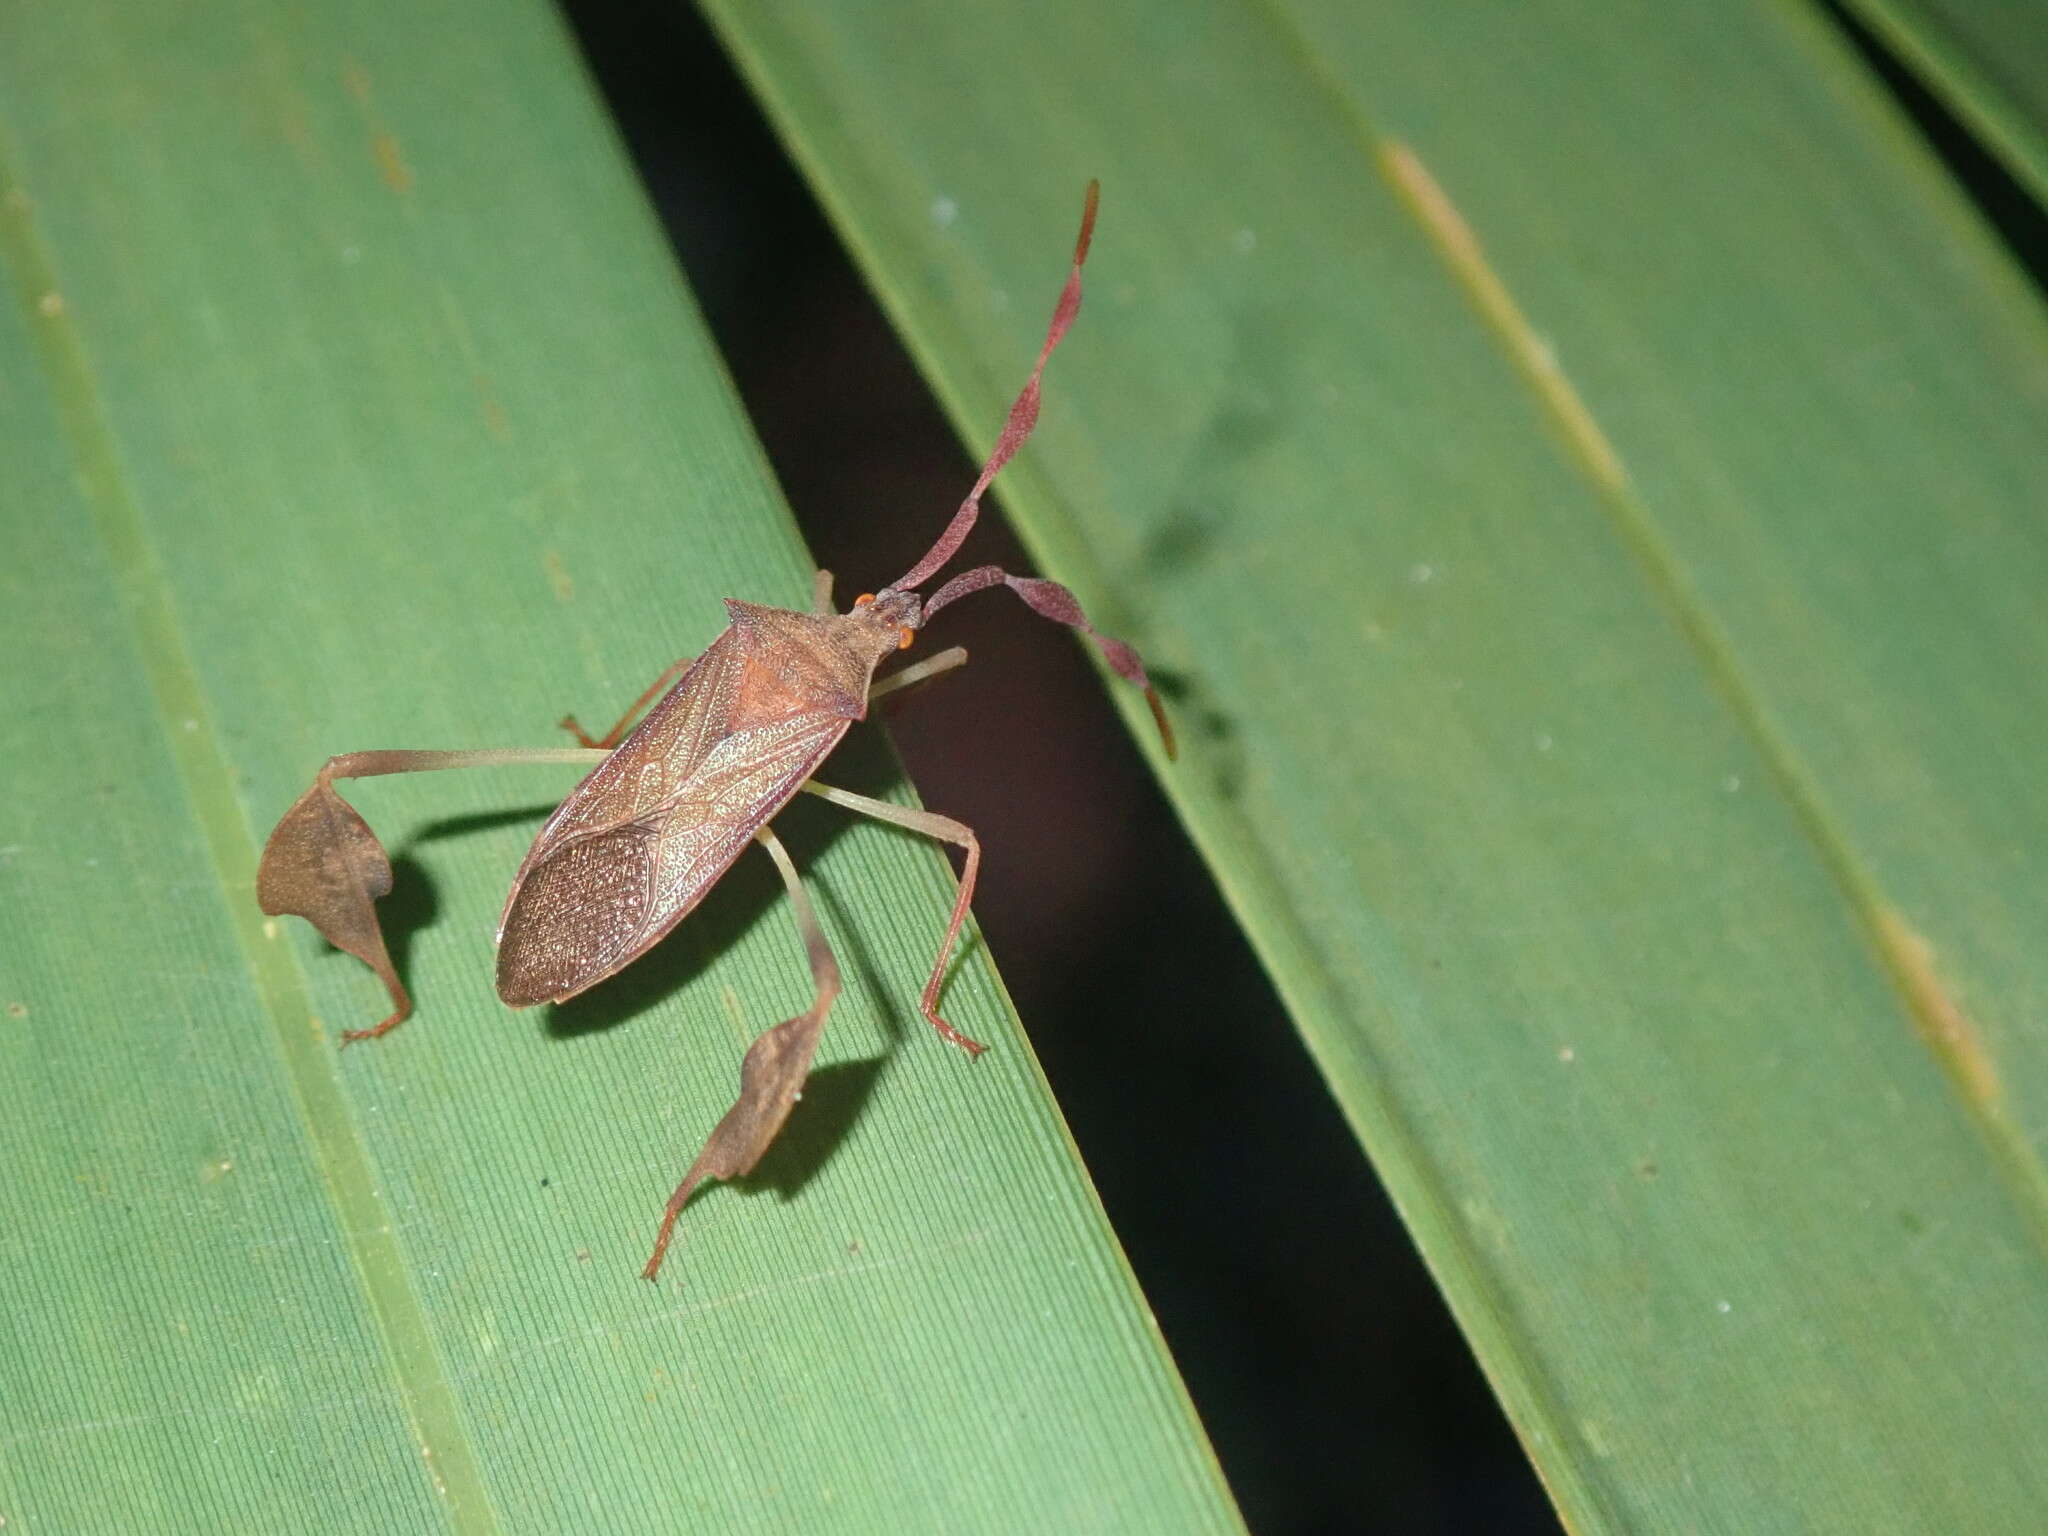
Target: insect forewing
638	843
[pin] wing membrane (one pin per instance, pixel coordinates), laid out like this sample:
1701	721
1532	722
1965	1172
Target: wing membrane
579	916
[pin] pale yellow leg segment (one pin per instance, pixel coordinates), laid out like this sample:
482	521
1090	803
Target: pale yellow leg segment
921	672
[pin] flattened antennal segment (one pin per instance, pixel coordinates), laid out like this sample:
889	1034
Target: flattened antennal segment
1050	600
1023	413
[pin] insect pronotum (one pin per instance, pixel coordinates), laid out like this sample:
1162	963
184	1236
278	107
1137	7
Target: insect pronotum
668	807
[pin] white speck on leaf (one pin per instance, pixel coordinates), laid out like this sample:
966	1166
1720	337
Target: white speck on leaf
944	211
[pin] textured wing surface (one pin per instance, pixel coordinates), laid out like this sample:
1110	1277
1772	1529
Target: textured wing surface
579	915
638	843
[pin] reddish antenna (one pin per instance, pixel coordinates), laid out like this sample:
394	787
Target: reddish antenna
1046	598
1023	414
1050	600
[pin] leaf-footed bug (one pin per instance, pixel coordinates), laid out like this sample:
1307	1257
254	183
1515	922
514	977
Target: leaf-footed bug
670	805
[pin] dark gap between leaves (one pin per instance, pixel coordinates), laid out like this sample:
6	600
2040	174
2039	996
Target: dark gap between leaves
2011	210
1337	1390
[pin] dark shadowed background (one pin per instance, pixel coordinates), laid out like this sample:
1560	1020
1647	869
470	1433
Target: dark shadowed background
1280	1274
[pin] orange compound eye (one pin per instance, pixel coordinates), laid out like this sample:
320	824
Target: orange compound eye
904	637
864	599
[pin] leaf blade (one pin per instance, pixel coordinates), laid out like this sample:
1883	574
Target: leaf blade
1514	761
381	412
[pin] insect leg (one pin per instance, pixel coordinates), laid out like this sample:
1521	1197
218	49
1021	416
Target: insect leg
773	1074
323	863
821	592
617	733
923	671
946	830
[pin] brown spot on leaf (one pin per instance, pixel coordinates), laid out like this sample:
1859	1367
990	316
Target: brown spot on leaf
558	576
1948	1031
390	158
494	413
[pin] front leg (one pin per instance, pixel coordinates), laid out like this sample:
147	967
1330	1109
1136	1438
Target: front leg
617	733
920	672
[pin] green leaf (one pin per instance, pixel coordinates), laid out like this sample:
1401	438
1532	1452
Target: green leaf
348	398
1583	470
1988	60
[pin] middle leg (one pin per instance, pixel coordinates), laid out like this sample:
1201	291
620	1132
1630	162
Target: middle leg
946	829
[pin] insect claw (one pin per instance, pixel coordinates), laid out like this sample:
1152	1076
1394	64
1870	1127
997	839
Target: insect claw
570	724
350	1036
1165	725
953	1036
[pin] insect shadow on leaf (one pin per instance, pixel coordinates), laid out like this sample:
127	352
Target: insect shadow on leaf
414	905
834	1098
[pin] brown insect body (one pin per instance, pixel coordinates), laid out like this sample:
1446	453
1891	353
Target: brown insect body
636	845
664	813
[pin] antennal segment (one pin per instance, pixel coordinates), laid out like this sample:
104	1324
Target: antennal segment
1023	414
1050	600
